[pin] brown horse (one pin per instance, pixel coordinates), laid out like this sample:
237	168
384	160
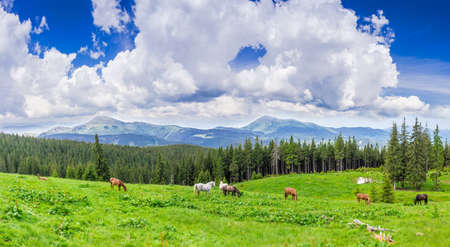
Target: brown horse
365	197
227	189
290	192
115	181
41	178
420	198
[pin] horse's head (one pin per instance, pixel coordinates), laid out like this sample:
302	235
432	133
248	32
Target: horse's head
212	183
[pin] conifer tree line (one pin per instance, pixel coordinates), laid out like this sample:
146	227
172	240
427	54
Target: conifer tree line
410	156
186	164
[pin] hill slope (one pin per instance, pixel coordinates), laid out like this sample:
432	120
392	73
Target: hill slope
62	212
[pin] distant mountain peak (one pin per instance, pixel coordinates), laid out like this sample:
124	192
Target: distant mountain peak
104	120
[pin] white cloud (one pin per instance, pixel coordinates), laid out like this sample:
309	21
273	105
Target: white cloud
42	26
108	15
7	4
319	62
83	50
396	105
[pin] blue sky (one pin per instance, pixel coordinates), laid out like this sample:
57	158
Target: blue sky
176	63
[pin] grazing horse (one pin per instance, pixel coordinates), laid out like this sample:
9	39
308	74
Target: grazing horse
290	192
233	189
365	197
203	187
41	178
222	185
115	181
420	198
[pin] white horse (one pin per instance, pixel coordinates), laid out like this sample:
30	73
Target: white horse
203	187
222	185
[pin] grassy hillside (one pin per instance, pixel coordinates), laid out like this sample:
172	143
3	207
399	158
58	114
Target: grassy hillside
63	212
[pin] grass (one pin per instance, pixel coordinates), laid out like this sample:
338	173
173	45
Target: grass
63	212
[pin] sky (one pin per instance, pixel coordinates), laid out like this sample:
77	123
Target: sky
208	63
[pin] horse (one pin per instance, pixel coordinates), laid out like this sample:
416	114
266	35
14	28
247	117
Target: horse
222	185
233	189
290	192
365	197
116	181
420	198
41	178
203	187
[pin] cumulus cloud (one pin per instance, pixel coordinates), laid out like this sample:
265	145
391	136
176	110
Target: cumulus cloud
42	26
7	4
318	61
109	16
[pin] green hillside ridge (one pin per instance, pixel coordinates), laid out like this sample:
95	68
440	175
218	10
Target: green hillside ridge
64	212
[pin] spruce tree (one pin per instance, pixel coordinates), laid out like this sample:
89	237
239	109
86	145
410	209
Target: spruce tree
373	194
339	151
437	161
157	172
403	138
387	194
70	171
101	168
90	173
416	173
393	158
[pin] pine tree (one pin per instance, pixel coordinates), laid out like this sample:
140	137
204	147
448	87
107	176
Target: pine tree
403	138
416	173
446	154
157	173
55	172
373	194
437	161
101	167
70	171
203	177
393	159
339	151
387	194
90	173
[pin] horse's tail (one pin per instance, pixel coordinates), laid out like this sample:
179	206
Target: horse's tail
195	188
426	199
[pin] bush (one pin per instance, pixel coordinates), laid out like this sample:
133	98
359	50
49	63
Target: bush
13	211
256	175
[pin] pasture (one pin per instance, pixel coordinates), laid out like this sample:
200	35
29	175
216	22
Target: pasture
64	212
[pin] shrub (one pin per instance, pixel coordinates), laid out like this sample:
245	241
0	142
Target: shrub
134	223
256	175
13	211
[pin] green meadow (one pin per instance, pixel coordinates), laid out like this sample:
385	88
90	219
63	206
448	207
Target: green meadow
64	212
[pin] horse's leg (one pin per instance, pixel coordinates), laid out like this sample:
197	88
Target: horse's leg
112	186
285	196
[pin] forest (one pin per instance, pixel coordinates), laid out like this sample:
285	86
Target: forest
188	164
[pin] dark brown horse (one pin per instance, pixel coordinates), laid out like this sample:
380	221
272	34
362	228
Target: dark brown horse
420	198
115	181
227	189
365	197
290	192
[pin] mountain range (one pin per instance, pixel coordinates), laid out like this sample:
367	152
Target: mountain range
113	131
